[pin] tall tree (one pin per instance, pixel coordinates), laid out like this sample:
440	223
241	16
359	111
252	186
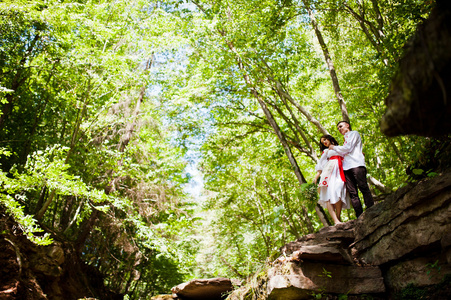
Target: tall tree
329	62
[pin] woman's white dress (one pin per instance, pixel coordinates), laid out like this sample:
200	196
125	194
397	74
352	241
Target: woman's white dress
331	186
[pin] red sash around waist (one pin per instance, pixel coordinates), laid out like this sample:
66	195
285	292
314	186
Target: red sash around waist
340	166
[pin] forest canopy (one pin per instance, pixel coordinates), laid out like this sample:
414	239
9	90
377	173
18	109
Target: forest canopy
111	110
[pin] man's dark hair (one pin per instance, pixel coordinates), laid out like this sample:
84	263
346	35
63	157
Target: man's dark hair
331	140
346	123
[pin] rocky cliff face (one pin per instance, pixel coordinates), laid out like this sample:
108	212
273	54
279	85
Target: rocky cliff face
419	101
32	272
404	240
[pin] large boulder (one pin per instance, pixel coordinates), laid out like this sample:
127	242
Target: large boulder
408	234
420	272
402	240
302	280
164	297
314	264
411	222
419	101
204	289
330	244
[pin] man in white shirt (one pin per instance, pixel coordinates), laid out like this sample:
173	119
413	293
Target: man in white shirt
354	167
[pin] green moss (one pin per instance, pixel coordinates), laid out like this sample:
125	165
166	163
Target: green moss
414	292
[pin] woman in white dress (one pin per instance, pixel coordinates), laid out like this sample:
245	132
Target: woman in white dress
331	187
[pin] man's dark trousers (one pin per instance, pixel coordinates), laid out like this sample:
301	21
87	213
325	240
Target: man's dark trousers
356	178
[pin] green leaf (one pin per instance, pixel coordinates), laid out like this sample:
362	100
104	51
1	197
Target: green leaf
417	171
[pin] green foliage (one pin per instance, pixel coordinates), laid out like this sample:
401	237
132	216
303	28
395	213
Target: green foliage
430	160
320	294
87	142
27	223
412	292
342	297
255	208
241	51
103	105
431	267
326	274
309	194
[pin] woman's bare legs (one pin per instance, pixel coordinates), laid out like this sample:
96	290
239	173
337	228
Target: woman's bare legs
331	210
338	207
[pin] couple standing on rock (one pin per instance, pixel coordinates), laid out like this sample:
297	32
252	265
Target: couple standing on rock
342	170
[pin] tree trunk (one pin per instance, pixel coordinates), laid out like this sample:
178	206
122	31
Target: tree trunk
282	92
281	137
125	139
86	230
377	184
74	139
309	152
330	65
376	38
307	219
322	215
131	271
37	120
46	204
269	118
74	218
55	209
67	211
275	127
16	83
44	191
301	131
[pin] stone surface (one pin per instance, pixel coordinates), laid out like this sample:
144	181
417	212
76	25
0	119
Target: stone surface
32	272
56	253
318	263
407	223
242	293
446	246
329	252
164	297
404	239
419	101
45	266
300	281
330	244
421	271
204	289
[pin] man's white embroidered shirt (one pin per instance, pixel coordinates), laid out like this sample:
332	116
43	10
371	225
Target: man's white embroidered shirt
351	151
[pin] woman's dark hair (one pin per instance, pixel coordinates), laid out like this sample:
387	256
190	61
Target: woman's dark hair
331	139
